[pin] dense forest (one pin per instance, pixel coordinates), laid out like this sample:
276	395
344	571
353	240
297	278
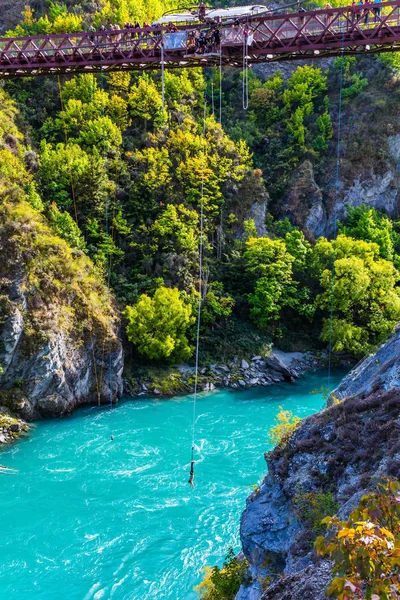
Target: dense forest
120	180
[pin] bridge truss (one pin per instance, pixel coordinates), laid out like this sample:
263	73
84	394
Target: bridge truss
266	38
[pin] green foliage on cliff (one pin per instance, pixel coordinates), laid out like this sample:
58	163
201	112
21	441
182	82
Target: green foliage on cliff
289	121
312	508
223	583
63	289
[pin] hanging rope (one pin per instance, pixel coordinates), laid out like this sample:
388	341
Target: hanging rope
245	95
162	76
108	273
212	98
220	83
338	148
196	376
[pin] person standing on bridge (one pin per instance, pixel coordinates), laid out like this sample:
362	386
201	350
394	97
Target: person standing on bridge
366	12
359	11
328	17
301	19
202	11
355	12
376	10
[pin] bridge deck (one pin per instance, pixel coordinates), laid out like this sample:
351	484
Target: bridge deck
294	36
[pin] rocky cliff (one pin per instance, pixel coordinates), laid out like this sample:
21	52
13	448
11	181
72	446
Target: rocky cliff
338	451
59	346
59	342
369	150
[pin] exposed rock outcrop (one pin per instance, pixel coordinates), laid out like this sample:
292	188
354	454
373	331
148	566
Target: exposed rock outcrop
11	428
59	374
310	205
379	371
256	371
303	203
340	450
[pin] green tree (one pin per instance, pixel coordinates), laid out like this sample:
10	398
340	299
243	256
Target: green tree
157	326
65	227
353	81
272	262
217	305
368	224
366	303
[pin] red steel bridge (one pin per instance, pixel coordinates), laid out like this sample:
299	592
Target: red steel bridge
366	28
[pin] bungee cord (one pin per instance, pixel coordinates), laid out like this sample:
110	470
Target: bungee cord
245	94
162	77
220	84
337	181
200	291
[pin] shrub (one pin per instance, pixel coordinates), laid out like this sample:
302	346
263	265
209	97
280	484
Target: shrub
157	325
224	583
286	424
312	507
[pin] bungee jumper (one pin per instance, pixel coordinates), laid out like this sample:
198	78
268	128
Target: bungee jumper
191	476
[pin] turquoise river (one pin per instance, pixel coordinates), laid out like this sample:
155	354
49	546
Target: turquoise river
88	518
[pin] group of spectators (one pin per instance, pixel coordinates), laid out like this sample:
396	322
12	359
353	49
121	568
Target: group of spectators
361	11
364	13
204	41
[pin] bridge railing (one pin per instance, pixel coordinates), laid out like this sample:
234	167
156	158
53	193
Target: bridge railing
366	23
308	25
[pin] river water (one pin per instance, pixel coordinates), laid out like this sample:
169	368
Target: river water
87	518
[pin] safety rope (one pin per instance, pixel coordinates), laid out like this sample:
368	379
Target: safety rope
220	83
162	76
196	375
337	180
245	94
212	98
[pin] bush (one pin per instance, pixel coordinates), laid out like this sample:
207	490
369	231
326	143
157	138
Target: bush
223	584
157	325
286	424
312	507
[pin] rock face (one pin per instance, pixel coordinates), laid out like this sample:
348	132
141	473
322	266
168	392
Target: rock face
379	371
59	375
309	205
303	204
339	450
